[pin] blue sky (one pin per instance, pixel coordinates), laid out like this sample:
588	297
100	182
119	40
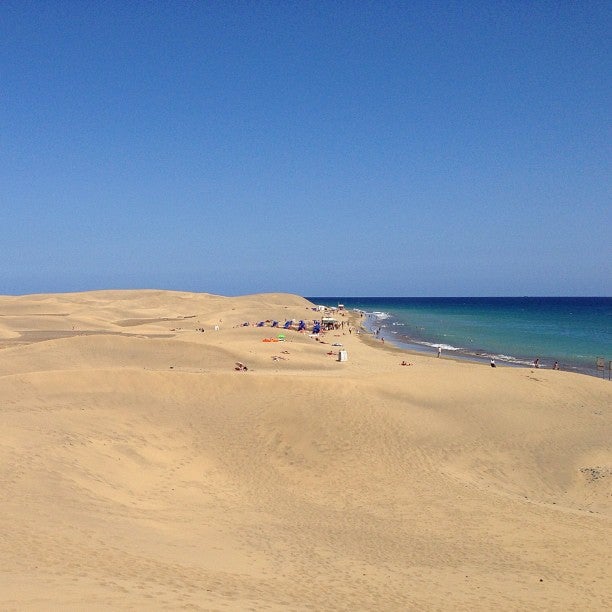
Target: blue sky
319	148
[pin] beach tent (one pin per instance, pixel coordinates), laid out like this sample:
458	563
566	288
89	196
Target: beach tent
329	322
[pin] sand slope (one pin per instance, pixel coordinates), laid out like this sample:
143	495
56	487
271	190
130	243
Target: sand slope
140	470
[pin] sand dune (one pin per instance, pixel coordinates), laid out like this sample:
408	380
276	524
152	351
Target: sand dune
140	470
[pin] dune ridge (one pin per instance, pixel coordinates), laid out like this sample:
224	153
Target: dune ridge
140	470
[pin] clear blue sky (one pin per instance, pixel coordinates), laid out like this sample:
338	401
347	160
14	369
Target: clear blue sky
320	148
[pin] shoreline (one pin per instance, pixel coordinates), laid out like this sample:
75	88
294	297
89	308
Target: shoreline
414	349
429	348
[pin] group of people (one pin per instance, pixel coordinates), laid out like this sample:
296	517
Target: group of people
536	363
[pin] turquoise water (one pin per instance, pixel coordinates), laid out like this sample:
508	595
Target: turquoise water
574	331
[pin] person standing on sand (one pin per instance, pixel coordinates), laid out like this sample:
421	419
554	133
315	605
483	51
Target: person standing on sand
439	351
492	362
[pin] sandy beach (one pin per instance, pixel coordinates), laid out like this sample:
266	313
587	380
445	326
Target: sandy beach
157	453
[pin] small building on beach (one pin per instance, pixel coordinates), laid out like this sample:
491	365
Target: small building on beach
329	323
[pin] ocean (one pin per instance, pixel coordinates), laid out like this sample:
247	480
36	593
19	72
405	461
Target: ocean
574	331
